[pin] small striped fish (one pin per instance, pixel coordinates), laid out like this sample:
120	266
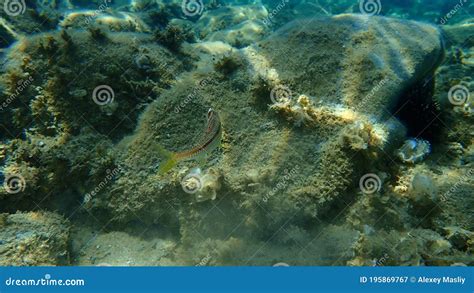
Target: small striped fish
210	140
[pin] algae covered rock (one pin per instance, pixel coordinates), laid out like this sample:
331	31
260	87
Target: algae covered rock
342	59
414	248
118	22
33	239
48	88
312	168
43	88
92	111
344	77
238	26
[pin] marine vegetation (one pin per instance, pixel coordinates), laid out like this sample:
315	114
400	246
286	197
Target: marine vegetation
237	132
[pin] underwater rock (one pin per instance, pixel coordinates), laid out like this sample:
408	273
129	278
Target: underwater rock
306	111
415	248
33	239
237	26
30	17
351	68
459	33
454	84
99	74
459	238
358	62
423	188
74	96
227	18
117	22
240	35
312	170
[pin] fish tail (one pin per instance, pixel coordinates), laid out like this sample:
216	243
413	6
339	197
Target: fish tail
169	160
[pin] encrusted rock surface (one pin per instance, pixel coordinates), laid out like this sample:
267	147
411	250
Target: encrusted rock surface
33	239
